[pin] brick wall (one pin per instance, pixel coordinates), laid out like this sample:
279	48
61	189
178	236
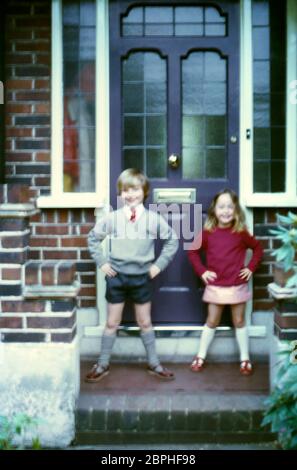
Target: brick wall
264	221
27	93
62	234
37	298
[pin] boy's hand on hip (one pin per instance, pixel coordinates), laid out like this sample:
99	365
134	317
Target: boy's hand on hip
154	271
107	269
209	276
245	274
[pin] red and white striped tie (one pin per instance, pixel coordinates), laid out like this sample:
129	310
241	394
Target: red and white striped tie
133	214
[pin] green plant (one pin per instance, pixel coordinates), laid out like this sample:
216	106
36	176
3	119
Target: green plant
286	232
281	412
14	429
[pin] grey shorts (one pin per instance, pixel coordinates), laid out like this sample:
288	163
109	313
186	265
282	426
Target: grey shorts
135	287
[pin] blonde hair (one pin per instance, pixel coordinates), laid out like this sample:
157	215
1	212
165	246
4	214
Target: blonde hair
239	218
132	177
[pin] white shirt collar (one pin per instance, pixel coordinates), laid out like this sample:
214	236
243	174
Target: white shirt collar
139	210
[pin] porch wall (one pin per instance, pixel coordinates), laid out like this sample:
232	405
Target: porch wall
61	234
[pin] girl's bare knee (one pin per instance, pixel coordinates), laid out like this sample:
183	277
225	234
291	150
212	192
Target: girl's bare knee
239	323
211	324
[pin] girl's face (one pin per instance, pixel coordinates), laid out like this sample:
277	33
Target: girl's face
133	195
224	211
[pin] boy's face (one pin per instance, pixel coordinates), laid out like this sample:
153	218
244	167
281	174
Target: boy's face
132	195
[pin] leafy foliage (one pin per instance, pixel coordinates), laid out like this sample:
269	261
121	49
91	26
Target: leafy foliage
281	412
286	232
16	427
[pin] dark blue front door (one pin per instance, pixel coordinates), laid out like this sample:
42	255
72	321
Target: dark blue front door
174	84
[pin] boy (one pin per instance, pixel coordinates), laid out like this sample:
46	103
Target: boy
131	267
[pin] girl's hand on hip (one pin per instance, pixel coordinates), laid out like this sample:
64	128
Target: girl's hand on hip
154	271
209	276
245	274
107	269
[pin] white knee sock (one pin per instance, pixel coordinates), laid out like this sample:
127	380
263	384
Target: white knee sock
243	342
205	340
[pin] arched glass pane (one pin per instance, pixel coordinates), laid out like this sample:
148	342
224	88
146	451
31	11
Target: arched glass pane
144	117
204	116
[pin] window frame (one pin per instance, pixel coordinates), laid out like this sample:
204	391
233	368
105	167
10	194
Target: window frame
250	198
58	198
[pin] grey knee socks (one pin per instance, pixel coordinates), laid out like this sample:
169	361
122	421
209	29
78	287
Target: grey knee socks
149	341
107	343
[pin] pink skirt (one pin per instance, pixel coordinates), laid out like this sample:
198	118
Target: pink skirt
226	295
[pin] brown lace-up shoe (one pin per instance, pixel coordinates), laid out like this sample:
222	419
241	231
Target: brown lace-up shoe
96	373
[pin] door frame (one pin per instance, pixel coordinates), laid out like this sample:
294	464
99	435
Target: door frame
245	156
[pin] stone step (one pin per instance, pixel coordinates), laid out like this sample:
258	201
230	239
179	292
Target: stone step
130	406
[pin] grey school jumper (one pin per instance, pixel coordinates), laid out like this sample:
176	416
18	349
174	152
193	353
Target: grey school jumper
131	249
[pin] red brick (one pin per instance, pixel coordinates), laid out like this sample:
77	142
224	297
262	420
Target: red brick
19	132
20	34
32	96
18	108
74	241
42	108
42	83
35	254
263	304
8	144
86	303
18	193
31	273
42	34
11	274
44	59
48	275
14	242
51	322
66	273
85	254
52	230
42	181
19	59
10	322
20	306
87	292
34	46
43	157
43	242
85	229
63	216
19	84
60	254
32	22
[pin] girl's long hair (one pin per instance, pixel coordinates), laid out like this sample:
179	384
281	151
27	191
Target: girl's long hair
239	217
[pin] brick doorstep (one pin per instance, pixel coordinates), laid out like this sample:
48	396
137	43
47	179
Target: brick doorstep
157	415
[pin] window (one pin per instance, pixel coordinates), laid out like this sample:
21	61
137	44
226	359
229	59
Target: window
268	117
80	104
174	21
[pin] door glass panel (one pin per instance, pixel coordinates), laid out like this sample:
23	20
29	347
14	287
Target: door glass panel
204	121
144	105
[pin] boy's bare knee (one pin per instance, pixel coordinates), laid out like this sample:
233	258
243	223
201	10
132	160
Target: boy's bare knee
239	323
212	324
144	325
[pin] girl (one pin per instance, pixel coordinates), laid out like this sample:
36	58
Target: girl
225	240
